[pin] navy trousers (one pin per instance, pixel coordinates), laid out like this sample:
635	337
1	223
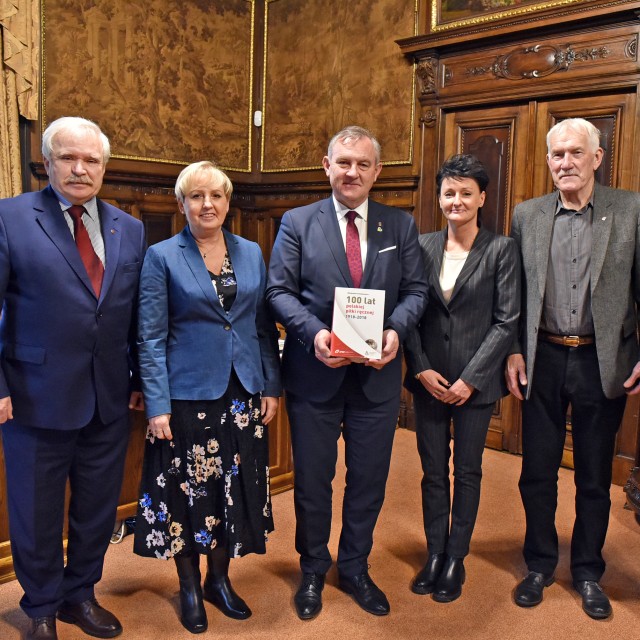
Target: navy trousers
368	430
38	464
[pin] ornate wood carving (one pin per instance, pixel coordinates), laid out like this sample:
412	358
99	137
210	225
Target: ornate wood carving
426	72
537	61
429	118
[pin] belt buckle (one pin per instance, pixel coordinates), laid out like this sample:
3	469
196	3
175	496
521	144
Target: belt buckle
572	341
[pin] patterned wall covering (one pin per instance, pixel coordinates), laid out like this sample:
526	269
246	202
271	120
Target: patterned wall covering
167	80
331	63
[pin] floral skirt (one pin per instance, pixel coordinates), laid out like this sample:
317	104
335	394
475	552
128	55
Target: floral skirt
209	486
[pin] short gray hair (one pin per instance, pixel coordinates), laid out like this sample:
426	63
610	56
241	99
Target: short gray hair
190	172
71	123
355	133
579	125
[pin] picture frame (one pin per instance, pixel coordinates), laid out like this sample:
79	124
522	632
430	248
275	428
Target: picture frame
457	14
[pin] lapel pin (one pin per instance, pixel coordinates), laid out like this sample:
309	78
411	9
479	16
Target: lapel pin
379	226
604	218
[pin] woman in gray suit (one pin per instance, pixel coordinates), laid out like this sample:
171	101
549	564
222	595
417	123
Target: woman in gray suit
455	359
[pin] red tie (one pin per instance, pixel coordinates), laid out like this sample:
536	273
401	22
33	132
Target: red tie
92	263
354	254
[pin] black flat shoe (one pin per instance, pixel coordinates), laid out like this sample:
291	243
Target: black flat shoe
365	593
529	592
449	585
426	579
594	600
308	598
220	593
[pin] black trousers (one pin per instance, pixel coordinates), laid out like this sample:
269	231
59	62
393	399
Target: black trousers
368	430
39	462
448	525
566	376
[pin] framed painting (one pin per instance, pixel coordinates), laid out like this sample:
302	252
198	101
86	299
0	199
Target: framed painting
167	81
453	14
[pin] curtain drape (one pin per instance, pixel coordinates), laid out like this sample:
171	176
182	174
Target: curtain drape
19	80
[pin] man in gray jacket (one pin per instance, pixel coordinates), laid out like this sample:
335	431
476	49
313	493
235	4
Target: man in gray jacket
580	249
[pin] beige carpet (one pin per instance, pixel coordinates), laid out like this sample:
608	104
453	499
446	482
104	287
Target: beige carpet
143	592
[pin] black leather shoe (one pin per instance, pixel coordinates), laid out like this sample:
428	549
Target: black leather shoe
43	628
220	593
529	592
426	579
594	600
308	598
93	619
365	593
449	585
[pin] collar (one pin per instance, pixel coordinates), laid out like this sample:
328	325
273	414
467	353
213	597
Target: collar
90	206
560	207
341	211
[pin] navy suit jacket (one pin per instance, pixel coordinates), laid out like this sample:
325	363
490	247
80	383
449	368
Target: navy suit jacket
309	261
187	342
65	353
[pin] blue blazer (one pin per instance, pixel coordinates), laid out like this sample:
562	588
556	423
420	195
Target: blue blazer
64	353
309	260
187	343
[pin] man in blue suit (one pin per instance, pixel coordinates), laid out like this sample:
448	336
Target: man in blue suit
327	396
69	269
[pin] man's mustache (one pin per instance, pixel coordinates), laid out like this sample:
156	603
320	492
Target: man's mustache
78	180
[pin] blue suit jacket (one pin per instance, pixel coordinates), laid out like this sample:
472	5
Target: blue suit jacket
64	352
187	342
308	261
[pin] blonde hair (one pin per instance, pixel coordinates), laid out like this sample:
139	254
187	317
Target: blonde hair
191	172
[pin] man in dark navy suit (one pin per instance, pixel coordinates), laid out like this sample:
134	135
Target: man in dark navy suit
69	269
327	396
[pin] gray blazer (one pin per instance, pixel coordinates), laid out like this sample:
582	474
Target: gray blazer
468	337
615	279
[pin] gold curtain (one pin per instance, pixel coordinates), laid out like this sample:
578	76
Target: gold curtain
20	47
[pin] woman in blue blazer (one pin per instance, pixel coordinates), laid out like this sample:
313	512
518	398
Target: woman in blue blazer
454	366
210	375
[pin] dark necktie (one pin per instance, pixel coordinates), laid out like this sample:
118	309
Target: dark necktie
92	263
354	254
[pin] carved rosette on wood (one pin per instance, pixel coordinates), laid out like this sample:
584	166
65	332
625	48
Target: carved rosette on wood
428	118
537	61
426	73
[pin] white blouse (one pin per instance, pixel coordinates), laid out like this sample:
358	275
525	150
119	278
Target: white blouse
452	264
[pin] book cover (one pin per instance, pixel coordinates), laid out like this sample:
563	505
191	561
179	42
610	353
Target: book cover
358	321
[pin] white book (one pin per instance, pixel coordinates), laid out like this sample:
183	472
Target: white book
358	322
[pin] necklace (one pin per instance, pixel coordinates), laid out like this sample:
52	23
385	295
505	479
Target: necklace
200	248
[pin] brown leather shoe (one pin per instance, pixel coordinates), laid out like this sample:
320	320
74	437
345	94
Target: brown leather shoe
93	619
43	628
